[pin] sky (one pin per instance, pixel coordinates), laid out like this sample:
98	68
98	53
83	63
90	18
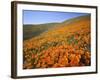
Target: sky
42	17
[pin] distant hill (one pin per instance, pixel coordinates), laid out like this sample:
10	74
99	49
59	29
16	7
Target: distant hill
30	31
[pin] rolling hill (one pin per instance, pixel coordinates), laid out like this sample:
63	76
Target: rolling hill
30	31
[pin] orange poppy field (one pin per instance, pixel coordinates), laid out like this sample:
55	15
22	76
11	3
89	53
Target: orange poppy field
65	44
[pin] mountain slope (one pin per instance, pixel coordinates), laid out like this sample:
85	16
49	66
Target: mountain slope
30	31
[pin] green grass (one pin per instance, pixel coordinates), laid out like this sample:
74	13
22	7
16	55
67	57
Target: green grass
30	31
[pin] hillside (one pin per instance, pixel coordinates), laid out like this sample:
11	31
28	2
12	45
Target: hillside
30	31
65	45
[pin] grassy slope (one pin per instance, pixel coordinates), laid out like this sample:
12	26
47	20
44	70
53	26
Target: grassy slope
30	31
